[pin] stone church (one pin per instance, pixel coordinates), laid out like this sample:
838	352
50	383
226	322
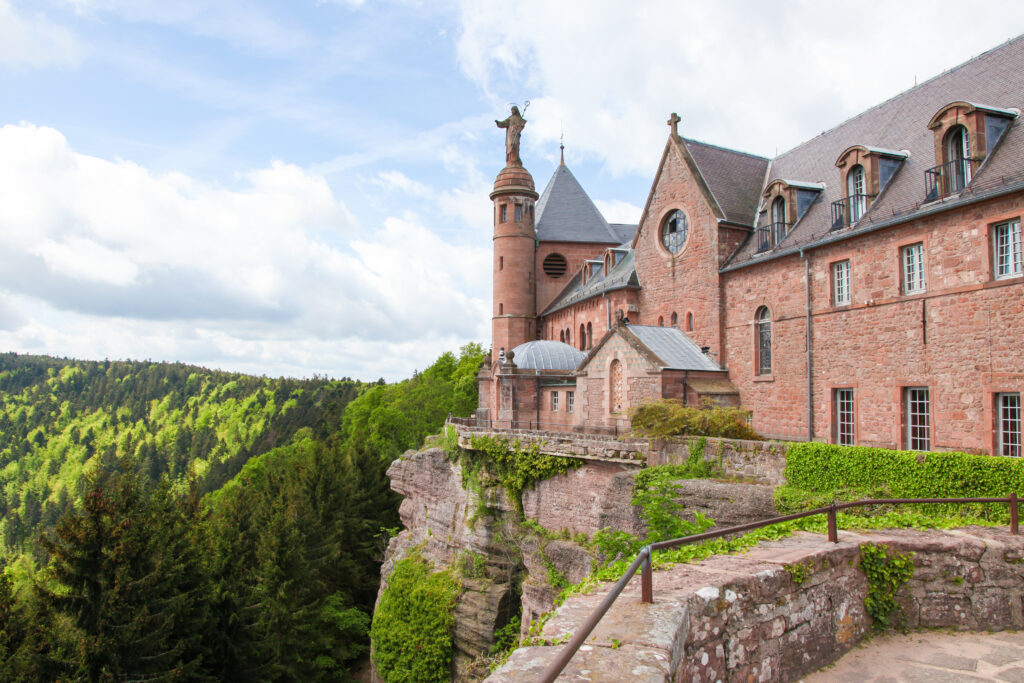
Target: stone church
864	288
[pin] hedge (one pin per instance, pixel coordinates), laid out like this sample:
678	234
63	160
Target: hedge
817	470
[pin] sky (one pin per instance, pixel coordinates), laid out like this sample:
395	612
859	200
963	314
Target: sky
301	187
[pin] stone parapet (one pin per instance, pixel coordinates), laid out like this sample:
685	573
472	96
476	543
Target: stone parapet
746	617
759	461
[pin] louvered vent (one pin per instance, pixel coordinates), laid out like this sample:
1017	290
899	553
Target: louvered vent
555	265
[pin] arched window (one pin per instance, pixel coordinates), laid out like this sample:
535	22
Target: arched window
583	337
763	327
689	322
778	219
617	389
958	157
675	319
856	192
661	321
561	336
568	336
590	335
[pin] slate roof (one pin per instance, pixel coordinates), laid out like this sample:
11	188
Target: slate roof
734	178
621	276
676	350
546	355
994	79
623	231
566	214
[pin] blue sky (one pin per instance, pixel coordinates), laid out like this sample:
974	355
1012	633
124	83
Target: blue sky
301	187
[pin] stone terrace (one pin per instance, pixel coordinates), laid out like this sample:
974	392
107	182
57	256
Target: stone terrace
743	617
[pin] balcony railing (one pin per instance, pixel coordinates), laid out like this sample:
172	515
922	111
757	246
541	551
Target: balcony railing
948	178
771	235
849	210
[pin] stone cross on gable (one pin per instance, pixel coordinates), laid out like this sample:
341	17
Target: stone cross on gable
673	122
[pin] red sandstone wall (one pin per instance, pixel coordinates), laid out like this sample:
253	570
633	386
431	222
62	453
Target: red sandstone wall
687	281
969	346
594	311
594	387
575	254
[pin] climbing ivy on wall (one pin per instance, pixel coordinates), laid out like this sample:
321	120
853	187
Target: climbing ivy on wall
817	473
413	622
886	574
514	467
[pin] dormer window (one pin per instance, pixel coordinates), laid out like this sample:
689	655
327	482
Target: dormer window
965	134
785	202
865	173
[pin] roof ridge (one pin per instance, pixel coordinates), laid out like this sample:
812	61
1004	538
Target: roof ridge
902	93
725	149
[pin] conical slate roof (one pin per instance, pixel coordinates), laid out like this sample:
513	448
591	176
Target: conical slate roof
566	214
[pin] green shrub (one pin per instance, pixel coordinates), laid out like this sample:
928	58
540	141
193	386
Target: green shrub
412	626
850	472
669	417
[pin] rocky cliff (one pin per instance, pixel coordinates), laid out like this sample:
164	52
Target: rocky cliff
512	564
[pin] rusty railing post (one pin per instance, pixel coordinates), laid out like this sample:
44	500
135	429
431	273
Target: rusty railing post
833	531
1013	514
646	578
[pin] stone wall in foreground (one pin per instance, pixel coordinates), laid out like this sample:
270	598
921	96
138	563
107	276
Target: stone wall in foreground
746	618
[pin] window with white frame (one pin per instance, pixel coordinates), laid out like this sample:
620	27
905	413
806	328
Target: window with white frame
841	283
554	401
1006	247
912	258
1008	423
917	408
842	400
570	401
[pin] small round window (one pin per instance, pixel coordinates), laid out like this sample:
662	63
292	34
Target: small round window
674	231
555	265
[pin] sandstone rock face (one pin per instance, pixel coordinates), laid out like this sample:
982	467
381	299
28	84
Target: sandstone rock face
437	513
592	497
747	617
448	524
727	503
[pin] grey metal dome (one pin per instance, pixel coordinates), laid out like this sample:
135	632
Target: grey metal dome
547	355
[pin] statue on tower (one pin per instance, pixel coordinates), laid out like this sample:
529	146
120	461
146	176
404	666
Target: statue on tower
513	126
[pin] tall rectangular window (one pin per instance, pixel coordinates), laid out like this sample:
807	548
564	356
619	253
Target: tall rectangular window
519	212
842	400
504	213
912	258
570	401
554	401
841	283
918	418
1008	416
1006	248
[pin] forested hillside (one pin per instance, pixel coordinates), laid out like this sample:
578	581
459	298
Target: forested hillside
62	418
162	521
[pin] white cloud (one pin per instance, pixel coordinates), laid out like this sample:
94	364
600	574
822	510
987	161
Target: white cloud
751	75
617	211
272	276
34	41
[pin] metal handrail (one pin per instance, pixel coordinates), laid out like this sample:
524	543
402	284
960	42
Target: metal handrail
949	178
646	576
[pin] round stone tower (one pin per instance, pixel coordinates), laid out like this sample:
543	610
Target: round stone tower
514	318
